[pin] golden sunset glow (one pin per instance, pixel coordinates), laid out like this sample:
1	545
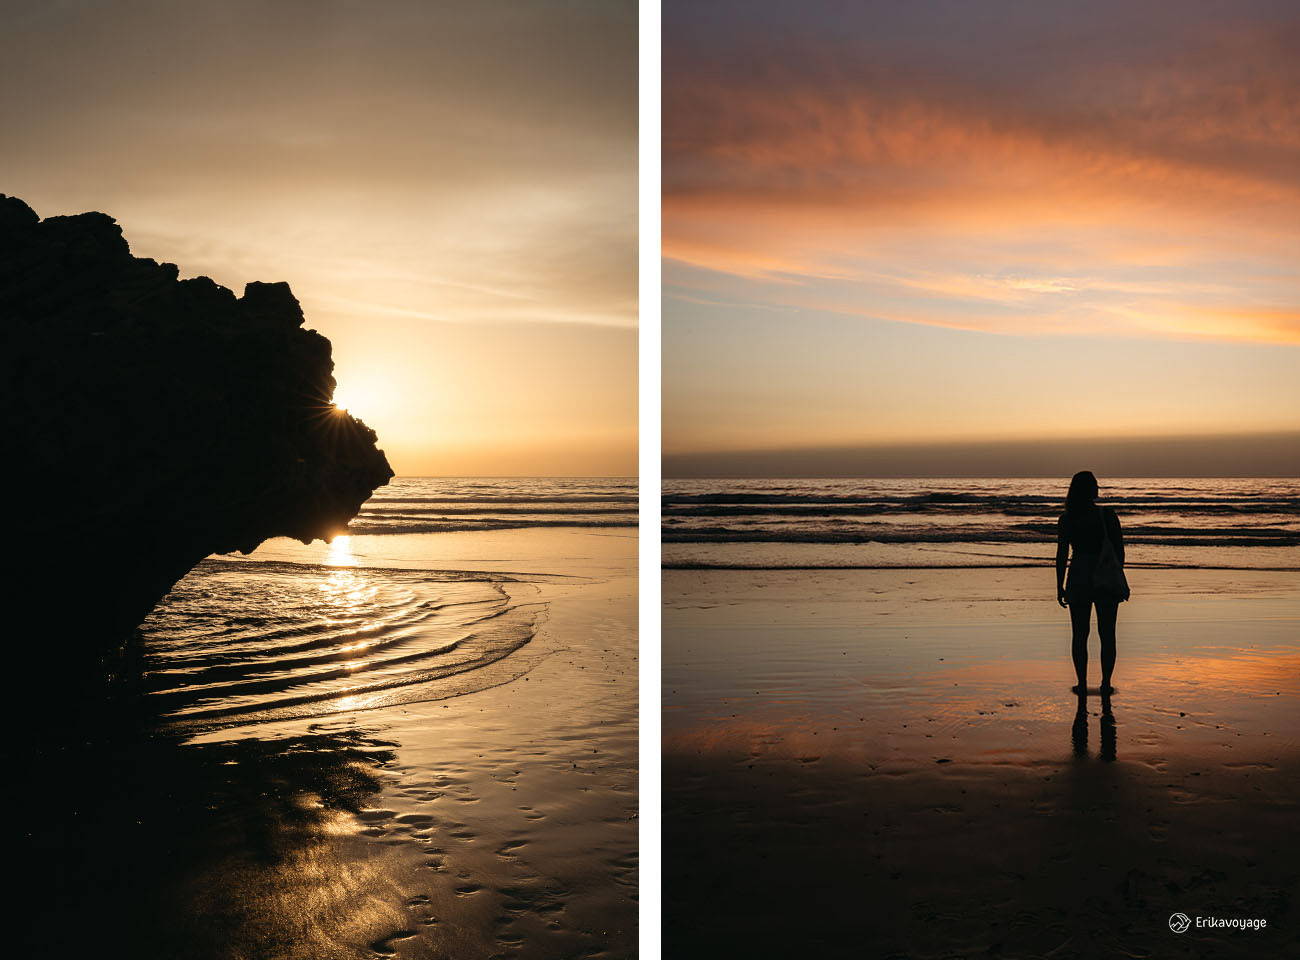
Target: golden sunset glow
449	190
339	555
889	224
368	396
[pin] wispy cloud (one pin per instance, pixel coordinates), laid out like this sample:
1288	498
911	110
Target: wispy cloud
1121	172
450	189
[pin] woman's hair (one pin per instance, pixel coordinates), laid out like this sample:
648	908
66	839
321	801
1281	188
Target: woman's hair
1083	491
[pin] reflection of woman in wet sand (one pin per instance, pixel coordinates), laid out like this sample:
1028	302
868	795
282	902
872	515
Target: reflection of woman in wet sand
1079	729
1094	533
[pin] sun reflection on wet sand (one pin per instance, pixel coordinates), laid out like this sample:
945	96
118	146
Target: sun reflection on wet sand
909	743
340	552
346	704
346	590
788	680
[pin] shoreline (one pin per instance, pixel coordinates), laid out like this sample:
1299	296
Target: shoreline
1150	565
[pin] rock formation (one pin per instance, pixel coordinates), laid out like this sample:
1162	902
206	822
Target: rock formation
158	421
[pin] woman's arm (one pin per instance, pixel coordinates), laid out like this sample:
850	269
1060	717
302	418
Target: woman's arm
1116	535
1062	555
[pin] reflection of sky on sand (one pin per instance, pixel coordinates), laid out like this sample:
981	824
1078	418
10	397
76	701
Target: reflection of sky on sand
571	552
951	678
339	553
509	811
347	594
907	741
256	641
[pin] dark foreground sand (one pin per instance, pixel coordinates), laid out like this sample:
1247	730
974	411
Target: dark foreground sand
500	823
890	764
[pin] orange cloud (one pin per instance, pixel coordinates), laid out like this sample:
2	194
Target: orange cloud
1146	199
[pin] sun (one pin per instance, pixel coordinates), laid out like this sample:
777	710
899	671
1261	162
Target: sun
364	396
353	395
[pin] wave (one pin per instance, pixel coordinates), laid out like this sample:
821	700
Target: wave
1190	537
1203	513
672	499
312	640
364	526
383	510
510	498
991	506
461	505
1008	565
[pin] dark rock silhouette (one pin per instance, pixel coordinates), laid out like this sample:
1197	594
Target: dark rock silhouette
158	421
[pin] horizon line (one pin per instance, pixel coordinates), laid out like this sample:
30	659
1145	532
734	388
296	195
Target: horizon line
1263	455
515	476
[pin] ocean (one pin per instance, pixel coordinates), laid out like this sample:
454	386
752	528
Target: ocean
938	523
401	608
442	505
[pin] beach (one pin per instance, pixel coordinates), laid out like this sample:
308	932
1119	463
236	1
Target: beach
414	744
891	763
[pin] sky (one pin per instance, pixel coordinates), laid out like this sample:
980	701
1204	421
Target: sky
449	189
893	226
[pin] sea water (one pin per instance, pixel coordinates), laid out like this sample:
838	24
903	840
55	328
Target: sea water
394	610
864	524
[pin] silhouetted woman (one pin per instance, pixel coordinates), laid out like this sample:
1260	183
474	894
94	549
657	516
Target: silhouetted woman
1084	526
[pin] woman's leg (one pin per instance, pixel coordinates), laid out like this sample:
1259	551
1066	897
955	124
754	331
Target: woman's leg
1106	616
1080	614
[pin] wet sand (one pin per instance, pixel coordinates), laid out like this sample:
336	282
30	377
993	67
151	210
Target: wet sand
891	763
499	823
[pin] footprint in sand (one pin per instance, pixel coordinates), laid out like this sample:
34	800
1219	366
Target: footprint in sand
385	946
415	819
